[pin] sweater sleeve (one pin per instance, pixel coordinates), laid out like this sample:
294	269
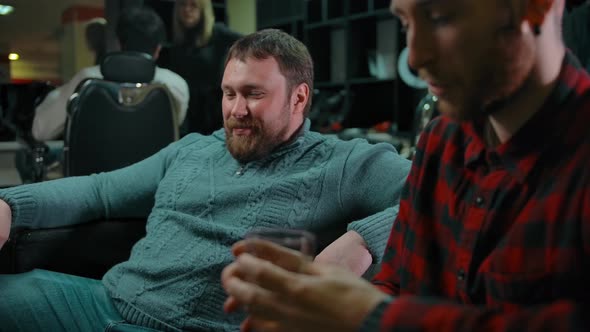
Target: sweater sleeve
127	192
371	184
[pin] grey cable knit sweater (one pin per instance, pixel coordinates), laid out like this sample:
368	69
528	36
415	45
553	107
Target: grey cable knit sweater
200	201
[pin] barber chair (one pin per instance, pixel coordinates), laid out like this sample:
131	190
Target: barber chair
118	120
87	250
112	122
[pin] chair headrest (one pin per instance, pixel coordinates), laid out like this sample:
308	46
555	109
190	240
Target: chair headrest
128	67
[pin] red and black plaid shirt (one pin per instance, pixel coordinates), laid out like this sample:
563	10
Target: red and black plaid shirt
496	239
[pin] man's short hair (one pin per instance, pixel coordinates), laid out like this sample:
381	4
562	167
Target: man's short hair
293	58
140	29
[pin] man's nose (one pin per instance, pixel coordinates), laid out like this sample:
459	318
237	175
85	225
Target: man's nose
239	107
420	48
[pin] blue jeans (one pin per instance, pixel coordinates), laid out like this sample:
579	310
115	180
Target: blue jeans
49	301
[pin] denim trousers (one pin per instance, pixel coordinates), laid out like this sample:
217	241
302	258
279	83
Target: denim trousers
49	301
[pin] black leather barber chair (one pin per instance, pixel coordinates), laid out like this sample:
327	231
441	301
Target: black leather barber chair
112	123
87	250
118	120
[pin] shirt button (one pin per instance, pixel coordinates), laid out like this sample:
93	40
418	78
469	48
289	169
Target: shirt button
479	201
461	275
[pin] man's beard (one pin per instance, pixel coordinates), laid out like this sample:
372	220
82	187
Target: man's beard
499	80
259	144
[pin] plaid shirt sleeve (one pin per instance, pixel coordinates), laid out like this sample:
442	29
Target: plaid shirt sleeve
495	240
412	313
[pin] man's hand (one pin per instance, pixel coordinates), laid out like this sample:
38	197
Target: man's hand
348	251
282	290
5	221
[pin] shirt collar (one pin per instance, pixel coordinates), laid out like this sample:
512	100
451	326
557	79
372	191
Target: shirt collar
546	128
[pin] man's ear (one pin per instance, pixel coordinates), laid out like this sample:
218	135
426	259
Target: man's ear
533	12
536	12
299	97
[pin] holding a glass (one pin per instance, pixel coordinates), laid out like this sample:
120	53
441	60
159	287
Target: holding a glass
295	239
279	287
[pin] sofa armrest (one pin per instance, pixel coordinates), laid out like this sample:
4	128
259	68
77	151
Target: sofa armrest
87	250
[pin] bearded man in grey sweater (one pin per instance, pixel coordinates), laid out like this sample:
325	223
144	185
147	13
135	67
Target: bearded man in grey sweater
265	168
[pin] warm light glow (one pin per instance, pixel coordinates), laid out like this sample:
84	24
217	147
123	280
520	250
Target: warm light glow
13	56
6	9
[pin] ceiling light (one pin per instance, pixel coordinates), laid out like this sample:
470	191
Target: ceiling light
6	9
13	56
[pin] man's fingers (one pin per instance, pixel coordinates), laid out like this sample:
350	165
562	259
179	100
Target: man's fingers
259	325
288	259
272	277
5	221
257	301
263	325
230	304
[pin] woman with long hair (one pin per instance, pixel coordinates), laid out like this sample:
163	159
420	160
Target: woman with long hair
197	54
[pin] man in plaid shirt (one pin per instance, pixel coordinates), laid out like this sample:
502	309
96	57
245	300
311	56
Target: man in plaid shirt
493	232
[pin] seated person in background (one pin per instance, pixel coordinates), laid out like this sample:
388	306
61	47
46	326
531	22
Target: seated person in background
265	168
493	232
96	38
139	30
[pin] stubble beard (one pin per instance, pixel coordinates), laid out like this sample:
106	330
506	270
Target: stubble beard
497	81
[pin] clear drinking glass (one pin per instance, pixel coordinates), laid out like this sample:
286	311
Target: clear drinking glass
296	239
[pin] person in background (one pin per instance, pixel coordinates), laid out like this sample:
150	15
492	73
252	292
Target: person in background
493	232
139	30
197	53
265	168
96	41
